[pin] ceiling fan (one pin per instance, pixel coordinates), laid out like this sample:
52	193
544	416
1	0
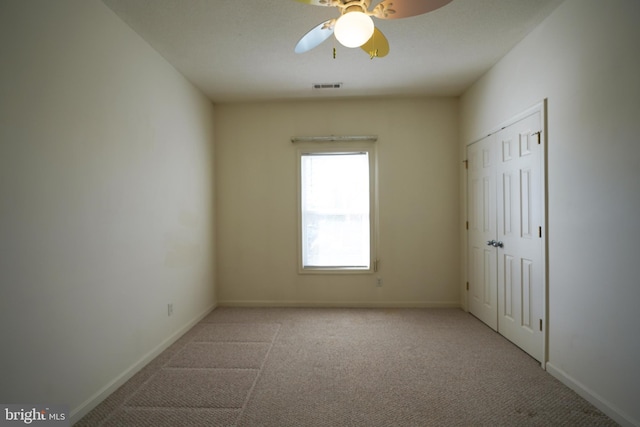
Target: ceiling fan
355	28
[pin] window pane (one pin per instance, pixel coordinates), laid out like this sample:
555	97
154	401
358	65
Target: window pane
335	210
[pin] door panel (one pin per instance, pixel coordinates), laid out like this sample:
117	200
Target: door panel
482	228
519	214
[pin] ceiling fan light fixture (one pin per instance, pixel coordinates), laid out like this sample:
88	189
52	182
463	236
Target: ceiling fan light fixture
353	29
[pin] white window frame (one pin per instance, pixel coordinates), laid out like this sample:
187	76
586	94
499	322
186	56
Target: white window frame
342	148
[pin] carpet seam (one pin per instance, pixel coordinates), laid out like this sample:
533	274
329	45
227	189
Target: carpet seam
123	404
233	342
190	408
255	381
182	368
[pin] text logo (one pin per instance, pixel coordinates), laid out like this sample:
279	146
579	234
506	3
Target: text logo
34	415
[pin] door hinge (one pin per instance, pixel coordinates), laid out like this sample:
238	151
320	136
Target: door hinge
467	225
539	133
540	324
375	265
466	164
540	232
467	285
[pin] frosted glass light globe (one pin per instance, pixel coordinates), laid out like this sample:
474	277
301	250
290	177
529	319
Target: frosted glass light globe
353	29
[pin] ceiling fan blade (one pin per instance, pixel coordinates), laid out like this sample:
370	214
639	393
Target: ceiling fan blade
318	2
377	46
316	36
395	9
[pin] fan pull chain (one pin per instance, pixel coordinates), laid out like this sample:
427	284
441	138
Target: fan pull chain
335	52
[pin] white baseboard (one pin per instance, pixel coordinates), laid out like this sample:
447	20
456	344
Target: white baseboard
77	413
589	395
334	304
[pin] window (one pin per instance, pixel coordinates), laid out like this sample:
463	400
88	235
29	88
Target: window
336	210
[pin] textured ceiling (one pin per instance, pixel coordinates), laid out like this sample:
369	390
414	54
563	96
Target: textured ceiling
242	50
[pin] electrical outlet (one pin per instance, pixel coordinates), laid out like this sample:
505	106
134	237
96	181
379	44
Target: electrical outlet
379	282
169	309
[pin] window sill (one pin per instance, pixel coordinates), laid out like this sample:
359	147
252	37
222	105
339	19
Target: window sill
335	270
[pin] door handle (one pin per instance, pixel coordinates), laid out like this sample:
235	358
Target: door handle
495	244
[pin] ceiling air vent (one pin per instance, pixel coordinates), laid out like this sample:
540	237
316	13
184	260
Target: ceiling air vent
327	85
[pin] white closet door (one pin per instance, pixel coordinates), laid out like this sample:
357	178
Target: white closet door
506	258
481	185
520	250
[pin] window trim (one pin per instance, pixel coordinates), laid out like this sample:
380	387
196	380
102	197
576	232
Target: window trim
341	147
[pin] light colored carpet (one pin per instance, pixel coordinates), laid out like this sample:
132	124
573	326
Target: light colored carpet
343	367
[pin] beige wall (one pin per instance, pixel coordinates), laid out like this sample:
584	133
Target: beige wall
585	60
106	202
419	230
